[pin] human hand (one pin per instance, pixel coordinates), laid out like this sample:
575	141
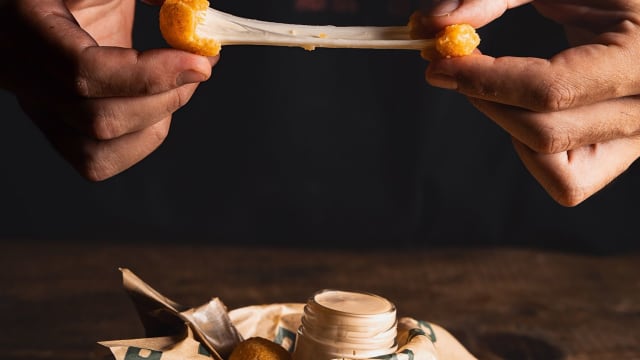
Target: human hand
574	118
103	105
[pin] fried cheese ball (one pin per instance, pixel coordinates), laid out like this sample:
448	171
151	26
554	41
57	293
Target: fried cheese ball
457	40
452	41
258	348
179	20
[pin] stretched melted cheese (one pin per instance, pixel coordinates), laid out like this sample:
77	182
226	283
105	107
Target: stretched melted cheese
180	20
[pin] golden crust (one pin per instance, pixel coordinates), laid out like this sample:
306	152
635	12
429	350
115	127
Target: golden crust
457	40
178	22
257	348
452	41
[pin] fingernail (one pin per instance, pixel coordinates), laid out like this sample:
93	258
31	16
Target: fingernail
443	81
190	77
442	7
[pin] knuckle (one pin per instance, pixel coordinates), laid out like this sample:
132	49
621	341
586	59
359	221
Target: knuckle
103	124
177	98
104	130
555	96
180	99
568	186
95	169
551	140
569	193
173	103
160	131
81	85
95	174
84	85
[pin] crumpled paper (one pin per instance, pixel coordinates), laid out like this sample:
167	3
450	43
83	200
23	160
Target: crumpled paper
175	332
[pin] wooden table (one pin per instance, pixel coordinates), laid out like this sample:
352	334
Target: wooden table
57	299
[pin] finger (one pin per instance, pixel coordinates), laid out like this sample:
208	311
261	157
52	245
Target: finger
553	132
98	160
109	118
105	72
575	77
477	13
573	176
594	15
94	71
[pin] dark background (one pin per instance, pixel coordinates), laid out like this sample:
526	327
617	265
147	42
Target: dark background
325	148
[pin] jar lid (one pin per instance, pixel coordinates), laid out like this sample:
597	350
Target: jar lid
352	303
363	313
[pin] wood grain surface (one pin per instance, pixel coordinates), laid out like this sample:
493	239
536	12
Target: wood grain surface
57	299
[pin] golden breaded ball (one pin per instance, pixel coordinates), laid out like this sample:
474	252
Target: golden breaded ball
178	22
257	348
457	40
453	41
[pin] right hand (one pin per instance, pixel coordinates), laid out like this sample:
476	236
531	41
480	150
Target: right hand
574	118
103	105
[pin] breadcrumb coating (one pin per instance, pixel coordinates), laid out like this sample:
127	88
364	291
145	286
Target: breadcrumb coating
457	40
258	348
178	22
452	41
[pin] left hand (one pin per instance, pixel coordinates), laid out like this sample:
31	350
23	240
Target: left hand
103	105
574	118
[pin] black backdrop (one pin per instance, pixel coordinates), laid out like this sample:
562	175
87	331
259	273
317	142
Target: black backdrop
325	148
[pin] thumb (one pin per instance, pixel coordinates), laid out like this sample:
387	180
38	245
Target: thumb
439	13
76	62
